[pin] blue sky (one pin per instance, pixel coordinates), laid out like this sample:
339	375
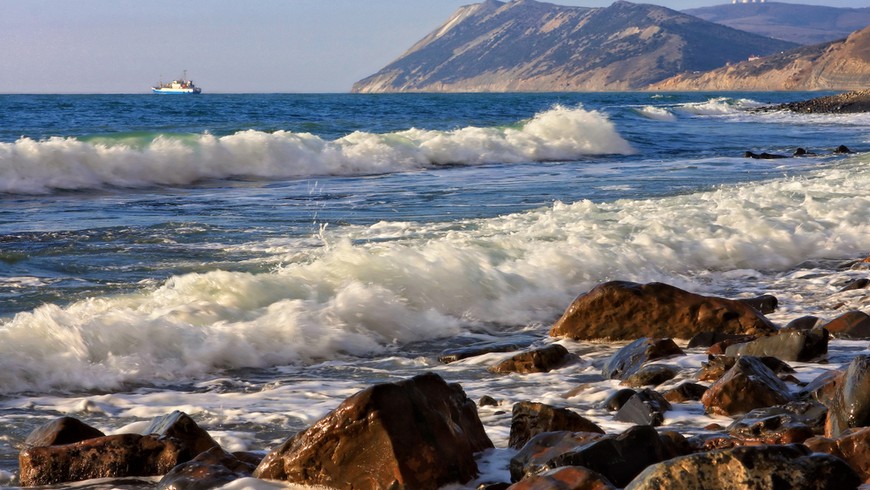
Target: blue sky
75	46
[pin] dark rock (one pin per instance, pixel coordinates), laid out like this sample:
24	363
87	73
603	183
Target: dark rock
685	392
565	478
62	430
620	458
651	375
544	447
842	149
748	385
787	345
807	322
763	156
617	399
765	304
487	401
849	406
824	387
852	446
850	325
717	366
793	422
629	359
453	355
646	407
708	339
535	361
766	467
179	426
210	469
862	283
530	419
626	311
419	433
114	456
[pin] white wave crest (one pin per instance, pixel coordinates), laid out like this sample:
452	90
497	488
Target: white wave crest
720	106
561	133
656	113
360	295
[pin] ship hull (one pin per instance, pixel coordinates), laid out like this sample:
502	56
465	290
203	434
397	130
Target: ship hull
174	91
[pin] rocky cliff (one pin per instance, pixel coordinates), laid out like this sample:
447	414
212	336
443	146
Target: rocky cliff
524	45
843	65
802	24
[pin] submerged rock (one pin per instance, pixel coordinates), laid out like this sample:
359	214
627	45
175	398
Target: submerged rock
420	433
535	361
530	419
625	311
629	359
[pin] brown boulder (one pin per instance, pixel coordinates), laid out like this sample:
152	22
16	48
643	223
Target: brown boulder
62	430
766	467
787	345
852	446
546	446
625	310
629	359
530	419
565	478
418	433
179	426
850	325
749	384
210	469
849	404
535	361
102	457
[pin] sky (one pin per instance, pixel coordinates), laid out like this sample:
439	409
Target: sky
125	46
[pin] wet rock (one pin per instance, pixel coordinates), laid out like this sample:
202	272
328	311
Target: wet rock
487	401
862	283
646	407
530	419
626	311
763	155
766	467
535	361
850	325
807	322
565	478
708	339
620	458
652	375
629	359
765	304
849	405
748	385
62	430
420	433
210	469
824	387
179	426
787	345
717	366
453	355
114	456
687	391
852	446
793	422
617	399
544	447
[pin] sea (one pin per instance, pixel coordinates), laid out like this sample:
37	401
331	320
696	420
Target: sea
254	259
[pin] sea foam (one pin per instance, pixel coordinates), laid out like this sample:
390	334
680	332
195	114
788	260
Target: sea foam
561	133
368	290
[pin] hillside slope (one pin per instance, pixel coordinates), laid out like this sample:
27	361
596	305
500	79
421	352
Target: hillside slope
524	45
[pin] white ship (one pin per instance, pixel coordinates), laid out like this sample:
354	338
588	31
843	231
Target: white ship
180	86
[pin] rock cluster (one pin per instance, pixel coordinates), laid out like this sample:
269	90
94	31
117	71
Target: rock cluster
425	433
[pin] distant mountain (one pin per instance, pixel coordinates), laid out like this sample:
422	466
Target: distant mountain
839	65
524	45
802	24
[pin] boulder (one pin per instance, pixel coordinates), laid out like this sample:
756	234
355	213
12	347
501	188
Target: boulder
807	322
179	426
646	407
793	422
530	419
852	446
620	458
748	385
687	391
114	456
716	366
210	469
766	467
629	359
856	284
535	361
651	375
625	311
545	446
617	399
849	405
459	353
709	339
764	304
565	478
419	433
787	345
850	325
62	430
